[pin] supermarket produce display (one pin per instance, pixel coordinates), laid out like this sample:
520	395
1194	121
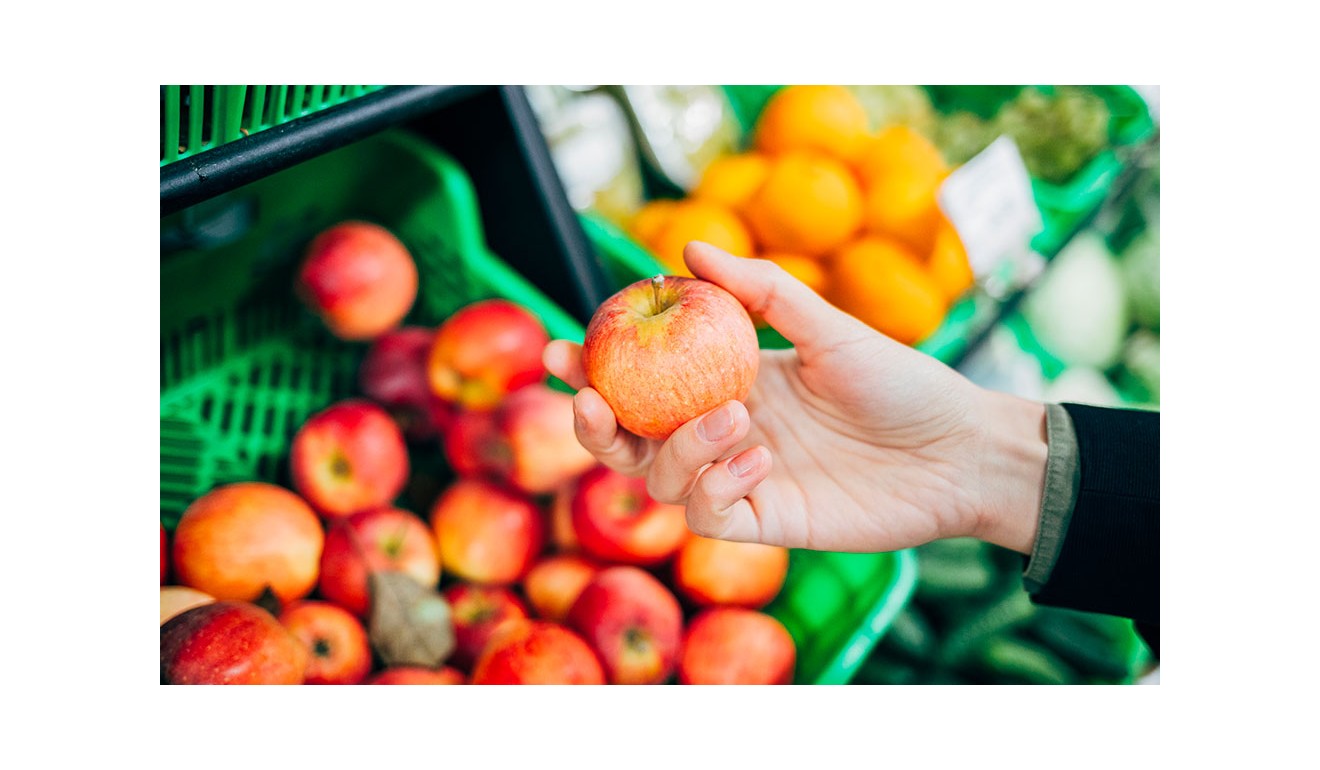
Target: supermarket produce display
368	476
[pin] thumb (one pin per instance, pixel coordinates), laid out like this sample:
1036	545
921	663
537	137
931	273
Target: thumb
790	306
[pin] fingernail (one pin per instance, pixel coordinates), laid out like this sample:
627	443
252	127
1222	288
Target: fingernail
716	425
745	464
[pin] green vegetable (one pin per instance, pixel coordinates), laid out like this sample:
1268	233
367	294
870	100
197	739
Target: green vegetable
947	578
1078	309
1057	133
887	105
1140	265
1009	611
911	635
1081	645
1141	362
961	135
1017	661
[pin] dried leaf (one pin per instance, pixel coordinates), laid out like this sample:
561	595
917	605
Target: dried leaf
410	625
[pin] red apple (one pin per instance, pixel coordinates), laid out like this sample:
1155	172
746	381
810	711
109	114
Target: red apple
349	457
485	533
236	540
177	599
665	350
359	279
416	675
554	583
229	642
632	622
336	643
375	541
478	611
709	572
562	534
485	351
393	374
540	450
472	444
537	652
733	645
617	521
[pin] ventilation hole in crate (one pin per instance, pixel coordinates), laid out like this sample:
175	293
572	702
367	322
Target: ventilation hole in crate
208	408
268	468
249	415
226	415
268	423
275	375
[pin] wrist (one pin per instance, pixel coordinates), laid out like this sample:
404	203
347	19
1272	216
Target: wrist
1014	448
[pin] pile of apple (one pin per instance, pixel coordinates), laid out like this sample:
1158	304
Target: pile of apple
535	565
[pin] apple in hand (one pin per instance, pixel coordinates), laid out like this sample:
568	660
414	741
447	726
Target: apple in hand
709	572
486	533
393	374
537	652
229	642
177	599
349	457
359	279
633	623
485	351
375	541
554	583
665	350
617	521
733	645
336	643
416	675
539	449
478	611
236	540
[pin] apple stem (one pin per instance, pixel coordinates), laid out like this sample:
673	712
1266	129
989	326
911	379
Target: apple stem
657	283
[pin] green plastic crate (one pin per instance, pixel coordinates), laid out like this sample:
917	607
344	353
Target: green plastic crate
194	119
243	364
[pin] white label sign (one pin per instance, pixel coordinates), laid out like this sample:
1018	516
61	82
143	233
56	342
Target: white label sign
988	199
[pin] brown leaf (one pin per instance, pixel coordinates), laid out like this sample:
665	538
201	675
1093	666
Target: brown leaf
410	625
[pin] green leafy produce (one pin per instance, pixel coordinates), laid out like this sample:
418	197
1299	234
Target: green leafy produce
1140	263
1057	133
1078	310
961	135
887	105
1141	362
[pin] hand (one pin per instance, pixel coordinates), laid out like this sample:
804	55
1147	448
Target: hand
849	441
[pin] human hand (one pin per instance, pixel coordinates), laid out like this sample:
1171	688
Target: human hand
849	441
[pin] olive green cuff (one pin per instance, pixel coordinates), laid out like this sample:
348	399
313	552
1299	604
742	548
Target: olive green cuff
1063	477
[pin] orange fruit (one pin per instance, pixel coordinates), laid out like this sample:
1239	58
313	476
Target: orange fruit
694	220
809	204
648	220
881	283
731	180
901	171
805	269
948	263
826	119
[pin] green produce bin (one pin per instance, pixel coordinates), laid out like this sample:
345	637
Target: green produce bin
198	118
243	364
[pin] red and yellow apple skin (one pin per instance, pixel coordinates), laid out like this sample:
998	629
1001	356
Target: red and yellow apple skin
485	351
711	572
486	533
359	279
478	612
733	645
338	651
617	521
416	675
229	642
383	539
633	623
349	457
537	652
663	351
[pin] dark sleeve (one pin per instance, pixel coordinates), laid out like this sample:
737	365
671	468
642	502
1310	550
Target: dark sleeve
1109	560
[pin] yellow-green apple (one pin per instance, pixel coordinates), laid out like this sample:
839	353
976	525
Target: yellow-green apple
537	652
478	612
393	374
709	572
358	278
665	350
539	449
633	623
416	675
485	351
349	457
554	582
177	599
617	521
229	642
375	541
336	642
486	533
734	645
239	539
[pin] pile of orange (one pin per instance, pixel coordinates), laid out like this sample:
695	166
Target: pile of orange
848	210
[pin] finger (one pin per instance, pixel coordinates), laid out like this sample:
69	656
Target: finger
563	359
764	288
694	445
718	506
599	432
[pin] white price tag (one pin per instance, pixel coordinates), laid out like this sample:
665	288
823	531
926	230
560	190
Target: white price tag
988	199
